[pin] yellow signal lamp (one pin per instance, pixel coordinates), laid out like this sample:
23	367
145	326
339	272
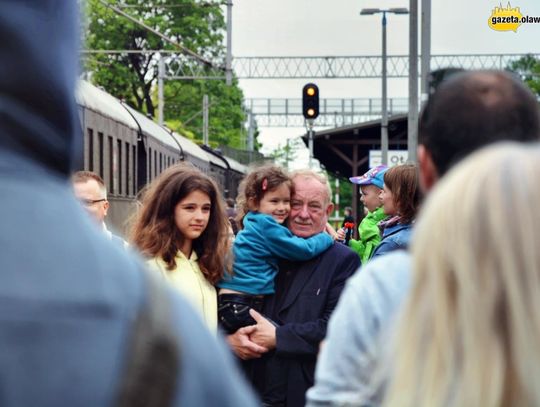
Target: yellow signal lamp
310	91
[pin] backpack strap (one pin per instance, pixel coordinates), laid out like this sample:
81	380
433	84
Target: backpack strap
153	359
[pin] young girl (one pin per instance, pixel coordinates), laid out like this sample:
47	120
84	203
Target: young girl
264	205
183	230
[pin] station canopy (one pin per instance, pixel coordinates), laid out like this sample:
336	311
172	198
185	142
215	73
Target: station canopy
344	151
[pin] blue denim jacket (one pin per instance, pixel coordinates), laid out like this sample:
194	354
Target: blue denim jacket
357	333
394	238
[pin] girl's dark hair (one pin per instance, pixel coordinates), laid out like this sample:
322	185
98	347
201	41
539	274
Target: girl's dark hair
257	183
155	233
402	181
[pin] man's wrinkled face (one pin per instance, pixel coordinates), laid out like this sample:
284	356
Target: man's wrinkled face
310	207
92	198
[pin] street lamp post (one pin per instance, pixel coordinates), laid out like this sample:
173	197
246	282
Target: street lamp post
384	119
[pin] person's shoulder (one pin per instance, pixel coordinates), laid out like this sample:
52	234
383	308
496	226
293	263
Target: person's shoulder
342	258
229	390
256	219
393	268
339	249
260	224
119	241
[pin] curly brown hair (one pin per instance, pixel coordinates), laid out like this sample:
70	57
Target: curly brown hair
154	231
402	181
258	182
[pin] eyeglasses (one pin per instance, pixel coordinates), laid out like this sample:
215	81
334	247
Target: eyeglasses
90	202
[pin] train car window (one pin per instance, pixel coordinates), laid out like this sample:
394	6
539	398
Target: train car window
101	153
111	165
128	180
134	173
90	163
120	166
149	170
160	162
155	164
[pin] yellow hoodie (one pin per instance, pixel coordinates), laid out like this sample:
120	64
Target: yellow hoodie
187	278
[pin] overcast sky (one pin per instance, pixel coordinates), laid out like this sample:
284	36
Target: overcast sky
333	28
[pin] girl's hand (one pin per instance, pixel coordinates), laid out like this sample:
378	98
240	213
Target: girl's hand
331	231
341	234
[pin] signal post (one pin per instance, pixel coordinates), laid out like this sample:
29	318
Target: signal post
310	110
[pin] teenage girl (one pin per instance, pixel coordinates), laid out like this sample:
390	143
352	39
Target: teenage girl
264	205
183	230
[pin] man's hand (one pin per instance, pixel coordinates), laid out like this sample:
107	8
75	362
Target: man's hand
264	333
242	346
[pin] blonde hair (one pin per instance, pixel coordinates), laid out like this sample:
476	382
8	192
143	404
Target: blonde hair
470	329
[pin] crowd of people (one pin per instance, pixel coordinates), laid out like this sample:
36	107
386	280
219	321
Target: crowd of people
434	303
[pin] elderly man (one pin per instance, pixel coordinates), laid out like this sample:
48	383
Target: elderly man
306	294
467	112
91	192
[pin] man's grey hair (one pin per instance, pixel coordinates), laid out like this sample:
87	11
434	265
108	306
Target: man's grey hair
322	178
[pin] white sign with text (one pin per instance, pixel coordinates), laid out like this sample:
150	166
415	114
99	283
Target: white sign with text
395	157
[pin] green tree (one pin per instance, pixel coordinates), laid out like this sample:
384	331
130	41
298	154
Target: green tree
287	153
225	113
528	68
345	191
132	76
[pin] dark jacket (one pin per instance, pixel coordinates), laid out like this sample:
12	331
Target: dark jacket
68	295
312	293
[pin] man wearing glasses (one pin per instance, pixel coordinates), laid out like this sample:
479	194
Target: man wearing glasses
90	190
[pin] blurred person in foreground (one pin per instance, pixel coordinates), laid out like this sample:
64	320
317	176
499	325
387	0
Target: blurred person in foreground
72	303
469	331
468	110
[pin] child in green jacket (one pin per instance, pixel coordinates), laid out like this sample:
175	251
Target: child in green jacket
371	184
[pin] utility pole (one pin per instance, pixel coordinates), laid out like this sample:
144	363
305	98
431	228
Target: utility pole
161	74
251	132
412	122
336	198
426	49
205	120
310	141
384	119
228	61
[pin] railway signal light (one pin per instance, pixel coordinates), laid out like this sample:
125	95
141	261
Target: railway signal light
310	101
